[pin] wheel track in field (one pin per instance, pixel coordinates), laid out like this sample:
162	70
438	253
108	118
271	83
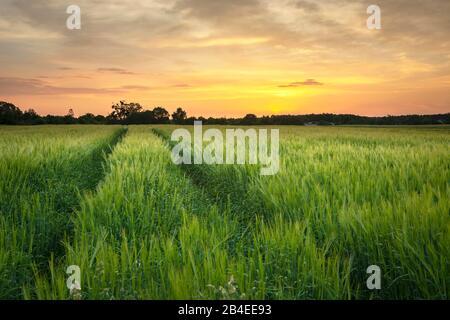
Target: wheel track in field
201	176
245	204
87	181
227	194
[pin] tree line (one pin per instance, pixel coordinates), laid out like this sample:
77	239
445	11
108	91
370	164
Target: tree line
133	113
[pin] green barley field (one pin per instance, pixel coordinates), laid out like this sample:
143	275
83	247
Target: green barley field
110	200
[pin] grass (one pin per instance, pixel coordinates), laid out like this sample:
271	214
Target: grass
345	198
42	171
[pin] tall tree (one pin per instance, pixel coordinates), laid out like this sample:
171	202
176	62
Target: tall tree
161	115
123	109
179	116
9	113
69	118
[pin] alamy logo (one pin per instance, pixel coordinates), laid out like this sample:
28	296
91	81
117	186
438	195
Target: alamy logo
374	281
74	280
374	20
73	22
260	150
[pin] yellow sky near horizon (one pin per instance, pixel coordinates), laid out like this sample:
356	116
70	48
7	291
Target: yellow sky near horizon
227	58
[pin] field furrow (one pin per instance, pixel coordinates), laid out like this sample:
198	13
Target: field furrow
42	172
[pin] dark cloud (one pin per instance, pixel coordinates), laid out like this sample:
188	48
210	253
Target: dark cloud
307	82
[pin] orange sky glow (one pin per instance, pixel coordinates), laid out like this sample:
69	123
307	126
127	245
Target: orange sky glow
227	58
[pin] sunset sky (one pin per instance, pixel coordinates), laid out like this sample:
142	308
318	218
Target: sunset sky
227	57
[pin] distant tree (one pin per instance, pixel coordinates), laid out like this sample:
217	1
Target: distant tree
190	120
132	113
123	109
31	117
9	113
87	118
110	119
161	115
30	113
69	118
250	119
100	119
144	117
179	116
50	119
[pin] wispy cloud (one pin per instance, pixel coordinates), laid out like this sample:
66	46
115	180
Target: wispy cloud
307	82
214	42
32	86
134	87
115	70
